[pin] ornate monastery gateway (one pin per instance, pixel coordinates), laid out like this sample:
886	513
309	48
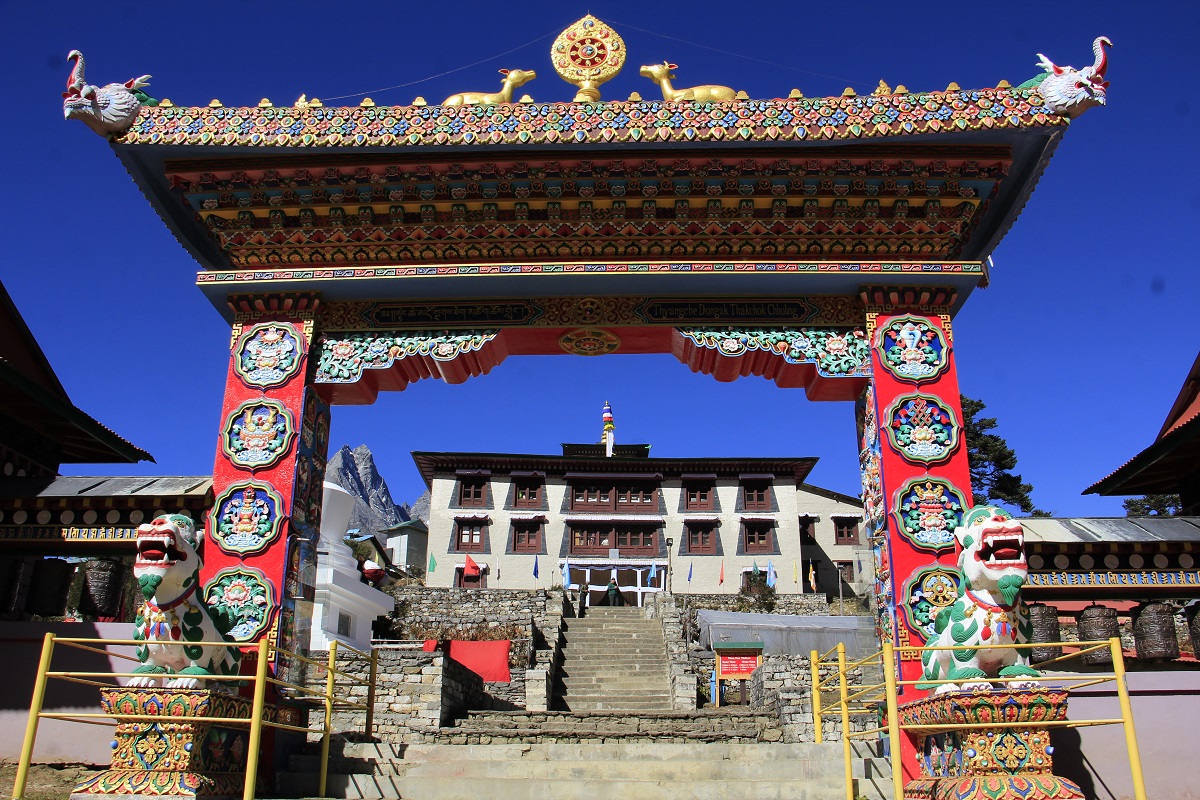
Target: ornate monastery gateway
823	243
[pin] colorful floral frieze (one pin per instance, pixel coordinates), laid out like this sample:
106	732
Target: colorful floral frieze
246	518
927	510
268	354
913	348
343	358
928	591
921	428
993	763
834	352
258	433
534	124
244	596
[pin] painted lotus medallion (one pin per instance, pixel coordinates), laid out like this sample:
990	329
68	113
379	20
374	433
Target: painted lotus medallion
927	510
268	354
922	428
246	518
258	433
245	595
913	349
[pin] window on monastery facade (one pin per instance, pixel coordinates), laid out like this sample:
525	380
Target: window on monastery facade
472	492
528	493
469	536
757	537
808	531
845	570
845	530
698	496
756	496
599	538
462	581
527	536
635	497
701	538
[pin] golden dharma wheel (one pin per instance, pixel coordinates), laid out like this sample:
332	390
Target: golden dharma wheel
587	54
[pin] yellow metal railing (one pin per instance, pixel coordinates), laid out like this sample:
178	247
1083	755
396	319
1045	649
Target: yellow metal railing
868	697
329	698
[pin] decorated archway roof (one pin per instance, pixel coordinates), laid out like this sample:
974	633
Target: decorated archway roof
923	183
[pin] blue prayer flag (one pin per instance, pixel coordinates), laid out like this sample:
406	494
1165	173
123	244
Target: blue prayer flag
535	566
771	576
690	571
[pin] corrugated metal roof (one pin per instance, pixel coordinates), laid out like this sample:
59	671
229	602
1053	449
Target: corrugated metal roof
1112	529
107	486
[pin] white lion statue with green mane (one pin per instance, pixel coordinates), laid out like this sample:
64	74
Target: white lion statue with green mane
988	611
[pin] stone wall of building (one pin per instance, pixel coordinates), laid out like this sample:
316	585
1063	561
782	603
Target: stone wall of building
782	686
424	612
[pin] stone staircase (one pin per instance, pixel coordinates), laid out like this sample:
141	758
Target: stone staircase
614	659
631	770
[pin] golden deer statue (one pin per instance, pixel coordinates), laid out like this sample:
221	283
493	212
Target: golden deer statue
512	79
709	93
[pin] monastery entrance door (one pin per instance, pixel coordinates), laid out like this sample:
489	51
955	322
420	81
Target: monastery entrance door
635	581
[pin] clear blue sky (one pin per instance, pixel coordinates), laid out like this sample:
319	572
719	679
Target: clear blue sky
1078	347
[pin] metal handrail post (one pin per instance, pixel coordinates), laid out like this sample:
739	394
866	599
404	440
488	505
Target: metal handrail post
330	679
370	723
1131	745
35	710
256	715
893	719
814	662
845	703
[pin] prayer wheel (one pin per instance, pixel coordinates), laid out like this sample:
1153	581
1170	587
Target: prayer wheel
1044	620
48	589
101	596
1193	618
1154	632
1095	624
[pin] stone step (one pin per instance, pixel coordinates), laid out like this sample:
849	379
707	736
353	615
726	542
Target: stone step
598	667
615	682
615	704
625	751
648	769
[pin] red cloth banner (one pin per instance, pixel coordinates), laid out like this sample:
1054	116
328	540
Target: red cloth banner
488	660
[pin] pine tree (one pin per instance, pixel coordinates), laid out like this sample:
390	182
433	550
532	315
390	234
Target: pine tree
991	462
1152	505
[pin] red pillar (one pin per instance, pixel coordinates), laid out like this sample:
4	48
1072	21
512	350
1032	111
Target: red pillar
916	480
259	553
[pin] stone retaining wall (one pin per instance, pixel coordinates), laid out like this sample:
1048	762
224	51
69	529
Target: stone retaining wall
438	613
783	686
683	676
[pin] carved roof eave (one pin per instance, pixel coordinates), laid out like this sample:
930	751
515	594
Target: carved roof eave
1011	116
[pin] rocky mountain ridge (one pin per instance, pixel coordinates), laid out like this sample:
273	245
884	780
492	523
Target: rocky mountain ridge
374	509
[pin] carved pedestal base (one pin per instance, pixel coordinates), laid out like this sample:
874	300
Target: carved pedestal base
987	763
181	756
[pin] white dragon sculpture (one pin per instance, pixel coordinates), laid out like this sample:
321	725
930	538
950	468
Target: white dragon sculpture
1069	91
173	615
108	110
988	611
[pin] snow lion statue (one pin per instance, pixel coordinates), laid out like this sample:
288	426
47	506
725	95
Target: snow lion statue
172	615
988	611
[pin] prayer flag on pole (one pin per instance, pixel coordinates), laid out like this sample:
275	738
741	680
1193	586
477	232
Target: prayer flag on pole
756	569
771	576
609	427
795	572
566	574
470	568
812	575
535	566
692	564
721	579
653	574
432	563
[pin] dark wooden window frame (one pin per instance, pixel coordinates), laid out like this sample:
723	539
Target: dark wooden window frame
698	496
845	530
472	546
472	491
624	496
696	533
756	495
600	536
461	581
527	536
758	538
527	493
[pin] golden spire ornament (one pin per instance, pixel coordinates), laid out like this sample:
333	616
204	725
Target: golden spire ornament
587	54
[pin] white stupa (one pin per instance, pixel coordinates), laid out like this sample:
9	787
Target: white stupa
344	606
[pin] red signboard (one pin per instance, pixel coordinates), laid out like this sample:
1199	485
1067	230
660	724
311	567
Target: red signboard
733	666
